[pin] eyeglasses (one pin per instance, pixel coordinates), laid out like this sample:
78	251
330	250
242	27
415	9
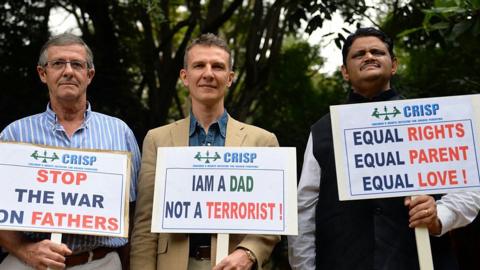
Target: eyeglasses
61	64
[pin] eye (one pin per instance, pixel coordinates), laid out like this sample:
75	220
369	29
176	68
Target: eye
218	67
198	65
78	65
58	64
378	52
358	55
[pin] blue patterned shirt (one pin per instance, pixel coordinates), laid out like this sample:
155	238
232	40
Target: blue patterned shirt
98	131
215	135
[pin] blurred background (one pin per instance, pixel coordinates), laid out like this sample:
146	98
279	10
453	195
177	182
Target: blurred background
286	59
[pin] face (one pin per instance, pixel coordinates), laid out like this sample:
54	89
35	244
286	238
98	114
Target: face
369	64
207	75
69	82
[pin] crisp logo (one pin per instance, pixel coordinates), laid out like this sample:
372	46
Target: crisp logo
386	113
207	157
45	156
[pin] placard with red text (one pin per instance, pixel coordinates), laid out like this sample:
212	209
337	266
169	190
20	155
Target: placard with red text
61	190
407	147
225	190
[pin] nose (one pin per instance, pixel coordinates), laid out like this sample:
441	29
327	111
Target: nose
369	55
208	72
68	70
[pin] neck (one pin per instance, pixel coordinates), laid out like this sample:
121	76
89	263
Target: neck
207	115
370	89
69	115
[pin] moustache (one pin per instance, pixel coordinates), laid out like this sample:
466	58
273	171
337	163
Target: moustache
369	63
68	81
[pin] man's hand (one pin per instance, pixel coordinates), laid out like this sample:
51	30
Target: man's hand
238	260
423	212
44	254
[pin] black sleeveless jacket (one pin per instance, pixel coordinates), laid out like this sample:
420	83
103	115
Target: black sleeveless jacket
364	234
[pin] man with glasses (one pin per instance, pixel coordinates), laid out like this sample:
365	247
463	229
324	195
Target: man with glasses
66	67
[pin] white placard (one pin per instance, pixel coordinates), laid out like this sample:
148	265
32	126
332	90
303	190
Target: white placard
406	147
59	190
225	190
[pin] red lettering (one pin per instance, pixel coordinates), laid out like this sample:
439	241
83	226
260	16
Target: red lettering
87	222
100	223
113	224
42	176
234	210
438	178
36	217
55	174
80	177
441	154
74	221
435	132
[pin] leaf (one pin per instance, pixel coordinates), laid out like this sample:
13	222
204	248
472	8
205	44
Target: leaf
328	34
438	26
476	27
446	3
409	31
475	4
338	43
314	23
460	28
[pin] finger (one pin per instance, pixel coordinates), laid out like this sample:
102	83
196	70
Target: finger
423	217
421	222
60	249
220	265
52	264
417	200
407	201
421	206
419	213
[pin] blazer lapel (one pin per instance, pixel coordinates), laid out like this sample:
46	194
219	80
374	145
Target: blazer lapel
180	132
235	133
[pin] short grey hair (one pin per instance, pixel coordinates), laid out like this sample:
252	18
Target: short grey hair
64	40
209	40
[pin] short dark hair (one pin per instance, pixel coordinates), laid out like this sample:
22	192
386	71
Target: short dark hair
208	40
367	32
64	40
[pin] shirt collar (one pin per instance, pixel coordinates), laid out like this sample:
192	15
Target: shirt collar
222	123
383	96
52	116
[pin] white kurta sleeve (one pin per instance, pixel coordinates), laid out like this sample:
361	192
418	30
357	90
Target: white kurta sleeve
301	248
458	209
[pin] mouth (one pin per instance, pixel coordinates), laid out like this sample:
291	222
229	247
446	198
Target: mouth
207	86
370	66
68	84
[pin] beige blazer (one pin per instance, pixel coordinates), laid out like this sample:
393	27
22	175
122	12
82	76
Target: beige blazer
150	251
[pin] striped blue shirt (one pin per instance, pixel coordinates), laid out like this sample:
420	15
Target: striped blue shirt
98	131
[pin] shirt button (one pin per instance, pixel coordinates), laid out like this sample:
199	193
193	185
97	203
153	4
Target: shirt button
378	211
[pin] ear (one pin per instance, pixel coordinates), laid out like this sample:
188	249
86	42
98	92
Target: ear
231	75
90	74
183	77
394	66
42	73
345	75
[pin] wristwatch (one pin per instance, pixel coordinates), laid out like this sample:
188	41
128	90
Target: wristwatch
250	255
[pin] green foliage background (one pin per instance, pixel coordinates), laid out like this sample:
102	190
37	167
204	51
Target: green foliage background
139	46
